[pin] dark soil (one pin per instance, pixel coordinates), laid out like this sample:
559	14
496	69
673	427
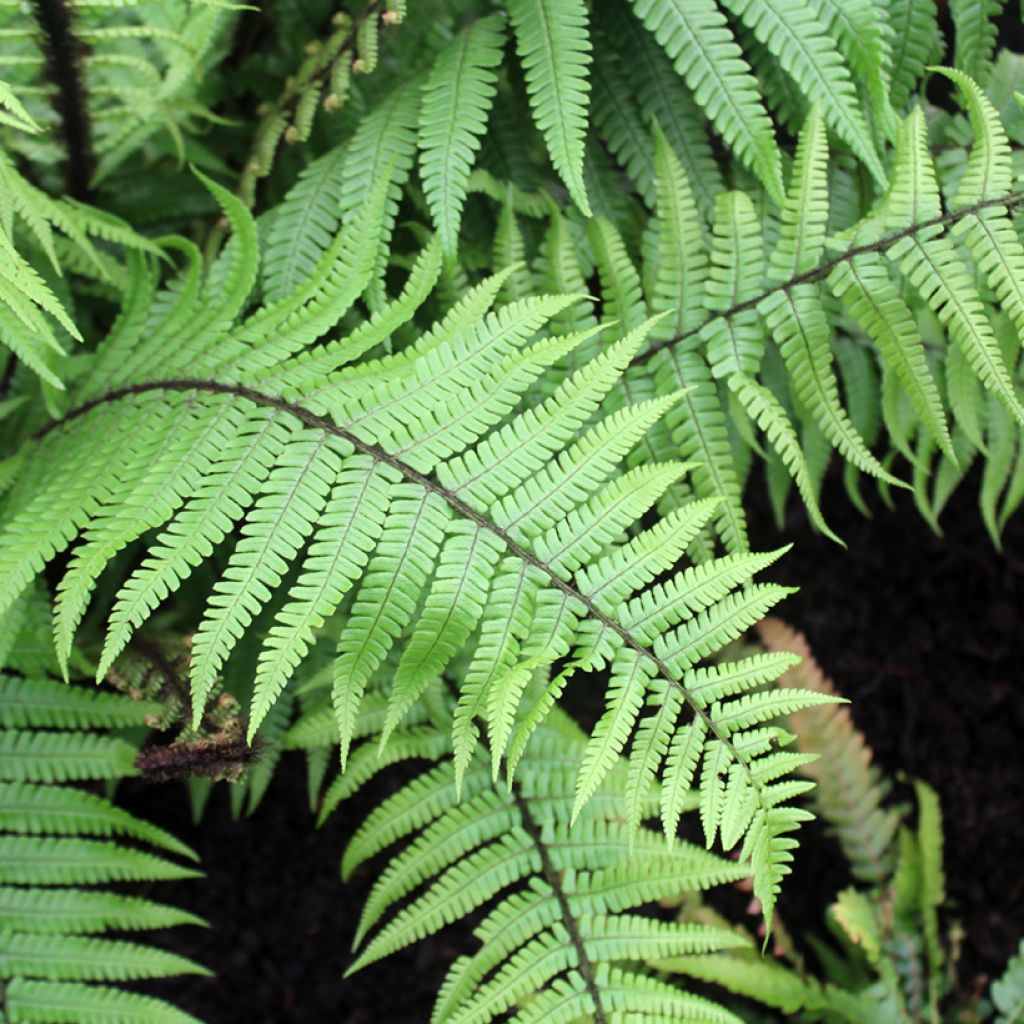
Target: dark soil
925	635
919	632
281	920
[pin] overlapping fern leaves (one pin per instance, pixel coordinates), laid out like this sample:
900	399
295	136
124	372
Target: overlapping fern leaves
412	494
817	328
558	940
824	271
928	294
61	846
104	79
501	480
43	235
693	67
887	959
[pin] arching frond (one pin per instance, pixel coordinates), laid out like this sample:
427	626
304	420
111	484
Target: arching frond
934	296
561	925
412	498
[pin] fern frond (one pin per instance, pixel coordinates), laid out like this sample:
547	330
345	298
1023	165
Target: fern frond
916	43
734	345
790	29
933	295
665	101
865	38
698	40
457	98
974	24
415	497
933	266
1008	991
553	42
849	789
304	225
54	942
561	918
382	149
32	1000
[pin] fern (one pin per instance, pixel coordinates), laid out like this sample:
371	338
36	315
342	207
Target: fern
494	533
139	79
554	46
58	845
456	101
431	388
557	940
39	235
850	790
889	964
1008	991
886	258
907	233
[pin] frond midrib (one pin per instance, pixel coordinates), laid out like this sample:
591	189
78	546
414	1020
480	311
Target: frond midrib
820	272
554	880
317	422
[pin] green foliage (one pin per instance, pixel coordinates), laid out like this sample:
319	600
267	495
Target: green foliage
494	536
1008	991
431	388
138	86
557	940
40	236
849	791
60	846
886	960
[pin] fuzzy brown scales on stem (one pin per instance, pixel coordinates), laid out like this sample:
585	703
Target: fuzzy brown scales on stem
63	52
217	750
219	759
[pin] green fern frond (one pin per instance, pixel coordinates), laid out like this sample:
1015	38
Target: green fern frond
304	225
33	319
553	42
413	496
849	789
791	30
561	920
457	97
698	40
933	295
55	841
974	22
916	43
1008	990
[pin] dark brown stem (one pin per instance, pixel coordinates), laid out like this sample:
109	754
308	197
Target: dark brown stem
822	270
63	53
317	422
173	682
554	879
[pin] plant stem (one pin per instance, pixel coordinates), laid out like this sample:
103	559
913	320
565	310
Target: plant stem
63	53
